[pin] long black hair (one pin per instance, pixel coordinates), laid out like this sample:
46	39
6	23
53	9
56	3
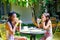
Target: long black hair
9	19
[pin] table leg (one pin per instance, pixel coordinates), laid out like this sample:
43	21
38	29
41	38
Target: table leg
32	37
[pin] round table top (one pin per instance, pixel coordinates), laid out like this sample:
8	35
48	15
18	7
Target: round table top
33	31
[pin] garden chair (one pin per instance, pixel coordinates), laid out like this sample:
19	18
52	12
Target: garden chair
54	24
3	32
58	27
56	35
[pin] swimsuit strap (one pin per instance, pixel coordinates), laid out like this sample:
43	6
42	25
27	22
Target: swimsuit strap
11	24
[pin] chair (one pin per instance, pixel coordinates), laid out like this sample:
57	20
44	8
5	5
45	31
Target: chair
3	31
56	35
54	24
58	27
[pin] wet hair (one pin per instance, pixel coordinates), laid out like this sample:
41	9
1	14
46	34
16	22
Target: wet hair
47	16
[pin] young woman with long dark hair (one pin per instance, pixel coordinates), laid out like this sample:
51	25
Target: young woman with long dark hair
11	26
47	25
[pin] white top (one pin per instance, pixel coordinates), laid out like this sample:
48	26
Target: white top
50	30
49	25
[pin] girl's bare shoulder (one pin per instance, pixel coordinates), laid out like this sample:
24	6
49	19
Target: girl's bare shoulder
49	21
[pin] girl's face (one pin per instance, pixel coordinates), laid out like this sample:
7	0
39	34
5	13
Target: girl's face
43	17
13	17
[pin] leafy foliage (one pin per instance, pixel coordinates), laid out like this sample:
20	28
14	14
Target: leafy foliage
22	3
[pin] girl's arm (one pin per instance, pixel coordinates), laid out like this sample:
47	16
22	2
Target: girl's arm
8	28
15	26
47	26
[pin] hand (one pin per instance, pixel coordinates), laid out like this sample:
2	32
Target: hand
40	26
16	20
38	20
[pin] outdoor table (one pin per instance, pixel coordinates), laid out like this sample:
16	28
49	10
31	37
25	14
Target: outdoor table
33	33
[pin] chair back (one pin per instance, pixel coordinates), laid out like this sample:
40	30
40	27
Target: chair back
3	31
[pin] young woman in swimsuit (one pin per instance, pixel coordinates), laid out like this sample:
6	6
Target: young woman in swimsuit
11	26
47	25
